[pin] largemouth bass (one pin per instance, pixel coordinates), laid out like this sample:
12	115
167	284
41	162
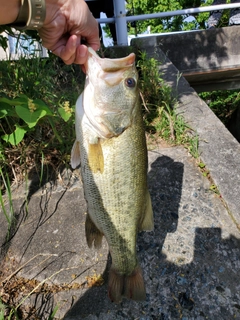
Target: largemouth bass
111	147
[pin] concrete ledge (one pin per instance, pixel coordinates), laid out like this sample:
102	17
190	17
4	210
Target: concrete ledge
208	59
219	150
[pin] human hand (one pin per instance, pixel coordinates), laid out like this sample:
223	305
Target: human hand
66	23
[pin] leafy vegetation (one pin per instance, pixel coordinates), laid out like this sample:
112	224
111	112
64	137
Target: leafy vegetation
167	24
159	103
37	98
222	102
170	24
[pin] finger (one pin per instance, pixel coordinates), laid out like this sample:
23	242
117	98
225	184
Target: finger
81	54
67	51
93	42
70	60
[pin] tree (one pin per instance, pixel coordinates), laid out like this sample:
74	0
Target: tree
168	24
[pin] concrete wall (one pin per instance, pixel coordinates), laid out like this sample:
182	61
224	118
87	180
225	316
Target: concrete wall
208	59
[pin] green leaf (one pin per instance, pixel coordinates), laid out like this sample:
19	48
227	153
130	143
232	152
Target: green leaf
41	105
30	117
3	113
6	110
12	102
15	137
2	309
65	115
7	101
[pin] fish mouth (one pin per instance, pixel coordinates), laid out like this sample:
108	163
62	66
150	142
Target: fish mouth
111	65
109	114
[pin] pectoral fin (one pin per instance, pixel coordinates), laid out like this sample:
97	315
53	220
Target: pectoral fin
75	155
147	223
95	157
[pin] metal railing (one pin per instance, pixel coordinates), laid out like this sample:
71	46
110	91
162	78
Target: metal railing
120	18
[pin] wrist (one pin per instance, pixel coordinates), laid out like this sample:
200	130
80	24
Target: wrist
9	11
31	15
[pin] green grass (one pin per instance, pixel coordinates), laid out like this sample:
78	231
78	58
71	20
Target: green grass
11	313
160	106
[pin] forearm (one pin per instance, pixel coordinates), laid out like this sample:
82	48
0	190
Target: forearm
9	10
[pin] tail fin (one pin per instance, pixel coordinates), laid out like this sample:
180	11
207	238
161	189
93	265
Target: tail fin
115	286
134	287
131	287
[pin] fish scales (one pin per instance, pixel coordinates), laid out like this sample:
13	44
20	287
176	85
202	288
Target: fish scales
112	204
114	174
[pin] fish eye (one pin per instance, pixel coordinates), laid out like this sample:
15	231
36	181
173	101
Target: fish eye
130	82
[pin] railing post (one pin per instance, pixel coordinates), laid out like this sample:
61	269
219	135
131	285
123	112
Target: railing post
120	22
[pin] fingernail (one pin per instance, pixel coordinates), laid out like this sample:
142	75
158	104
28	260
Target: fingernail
82	51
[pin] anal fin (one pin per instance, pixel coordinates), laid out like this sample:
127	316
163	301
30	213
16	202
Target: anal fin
146	223
93	235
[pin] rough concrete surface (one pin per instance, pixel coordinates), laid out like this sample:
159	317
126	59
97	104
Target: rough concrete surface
190	262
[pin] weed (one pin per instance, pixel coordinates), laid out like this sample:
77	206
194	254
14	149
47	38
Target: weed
161	118
222	102
2	310
10	313
8	213
37	98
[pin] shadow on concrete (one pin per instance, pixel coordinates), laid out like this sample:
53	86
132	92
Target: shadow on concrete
196	51
165	182
174	290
